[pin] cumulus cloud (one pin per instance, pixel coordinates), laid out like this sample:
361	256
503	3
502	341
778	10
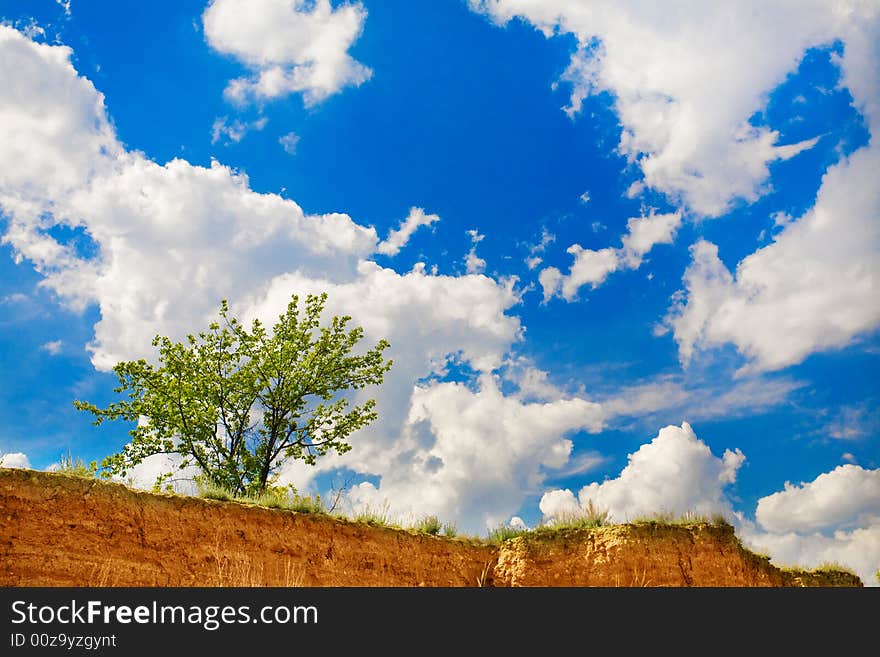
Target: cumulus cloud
834	518
685	82
846	497
154	470
291	46
686	79
474	454
858	549
813	288
397	239
592	267
675	473
14	460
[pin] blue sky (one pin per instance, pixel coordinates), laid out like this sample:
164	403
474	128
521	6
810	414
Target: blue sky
643	219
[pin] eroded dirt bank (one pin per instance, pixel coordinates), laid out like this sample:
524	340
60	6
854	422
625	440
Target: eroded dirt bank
58	530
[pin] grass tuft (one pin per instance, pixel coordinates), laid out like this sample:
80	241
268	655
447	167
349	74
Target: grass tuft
77	467
588	517
428	525
375	517
504	533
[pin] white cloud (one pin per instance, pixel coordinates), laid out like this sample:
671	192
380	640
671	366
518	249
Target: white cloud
698	398
475	455
813	288
474	264
234	131
547	238
517	523
854	422
846	497
30	28
289	142
14	460
687	78
397	239
533	261
643	233
592	267
53	347
675	473
858	549
685	82
291	46
834	518
154	469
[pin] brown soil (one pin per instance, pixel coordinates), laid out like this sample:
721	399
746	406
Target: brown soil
58	530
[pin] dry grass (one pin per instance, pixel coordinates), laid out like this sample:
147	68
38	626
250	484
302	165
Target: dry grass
483	579
102	574
240	569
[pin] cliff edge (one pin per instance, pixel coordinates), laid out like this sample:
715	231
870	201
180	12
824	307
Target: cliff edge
62	530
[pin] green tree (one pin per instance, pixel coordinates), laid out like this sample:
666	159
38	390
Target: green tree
237	403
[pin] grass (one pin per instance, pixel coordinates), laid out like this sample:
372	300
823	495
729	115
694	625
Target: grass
428	525
589	517
686	518
832	567
76	466
278	498
504	533
375	517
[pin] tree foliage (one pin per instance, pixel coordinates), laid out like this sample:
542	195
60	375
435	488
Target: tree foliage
237	403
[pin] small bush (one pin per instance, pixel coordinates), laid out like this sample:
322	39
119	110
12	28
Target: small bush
449	530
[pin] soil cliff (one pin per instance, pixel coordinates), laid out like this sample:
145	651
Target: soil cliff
58	530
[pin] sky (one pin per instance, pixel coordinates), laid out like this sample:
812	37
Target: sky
623	254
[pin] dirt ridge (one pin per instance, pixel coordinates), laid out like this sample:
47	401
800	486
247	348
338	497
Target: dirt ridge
61	530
